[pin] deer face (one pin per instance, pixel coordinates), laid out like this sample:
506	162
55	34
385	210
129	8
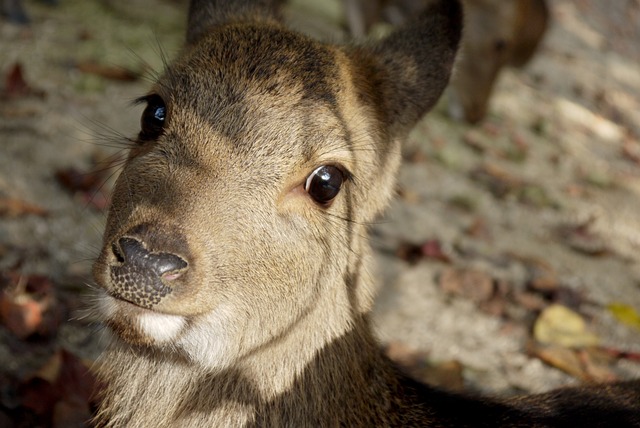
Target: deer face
262	154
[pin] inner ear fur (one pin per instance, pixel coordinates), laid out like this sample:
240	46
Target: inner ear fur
402	76
207	14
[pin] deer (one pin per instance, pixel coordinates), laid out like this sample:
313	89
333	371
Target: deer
498	34
235	275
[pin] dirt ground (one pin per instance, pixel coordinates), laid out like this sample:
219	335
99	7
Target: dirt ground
539	204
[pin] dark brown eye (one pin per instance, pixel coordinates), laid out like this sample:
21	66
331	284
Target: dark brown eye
153	118
324	184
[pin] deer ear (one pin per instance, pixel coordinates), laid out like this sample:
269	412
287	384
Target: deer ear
207	14
403	75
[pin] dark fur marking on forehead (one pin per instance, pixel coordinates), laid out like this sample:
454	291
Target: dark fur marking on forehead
235	62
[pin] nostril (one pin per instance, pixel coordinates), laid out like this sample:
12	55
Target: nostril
131	249
166	263
117	252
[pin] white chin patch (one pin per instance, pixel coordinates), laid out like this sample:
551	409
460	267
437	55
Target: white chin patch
161	327
212	341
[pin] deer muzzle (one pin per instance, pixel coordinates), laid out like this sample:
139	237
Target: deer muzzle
146	266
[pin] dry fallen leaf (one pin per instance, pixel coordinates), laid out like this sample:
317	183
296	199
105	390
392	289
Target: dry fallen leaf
108	72
529	301
87	185
559	325
502	183
50	371
431	249
410	253
29	306
60	392
492	129
497	180
520	149
415	156
543	281
15	85
559	357
474	140
631	151
478	229
21	315
581	238
76	380
75	180
535	195
475	285
408	195
12	207
621	354
584	364
595	367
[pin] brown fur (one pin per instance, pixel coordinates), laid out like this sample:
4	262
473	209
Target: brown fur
498	33
234	298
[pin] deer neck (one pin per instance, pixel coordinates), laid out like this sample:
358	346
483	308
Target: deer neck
337	312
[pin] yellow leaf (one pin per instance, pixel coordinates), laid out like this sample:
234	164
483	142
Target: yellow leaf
559	325
625	314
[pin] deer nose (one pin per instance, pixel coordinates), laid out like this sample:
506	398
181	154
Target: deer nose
136	255
142	276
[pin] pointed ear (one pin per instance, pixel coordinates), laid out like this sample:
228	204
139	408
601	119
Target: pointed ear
402	76
206	14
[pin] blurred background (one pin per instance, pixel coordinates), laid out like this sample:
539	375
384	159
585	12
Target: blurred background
509	262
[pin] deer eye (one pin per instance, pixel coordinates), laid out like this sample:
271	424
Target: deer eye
153	118
324	184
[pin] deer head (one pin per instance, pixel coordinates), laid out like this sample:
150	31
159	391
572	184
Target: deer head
236	238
